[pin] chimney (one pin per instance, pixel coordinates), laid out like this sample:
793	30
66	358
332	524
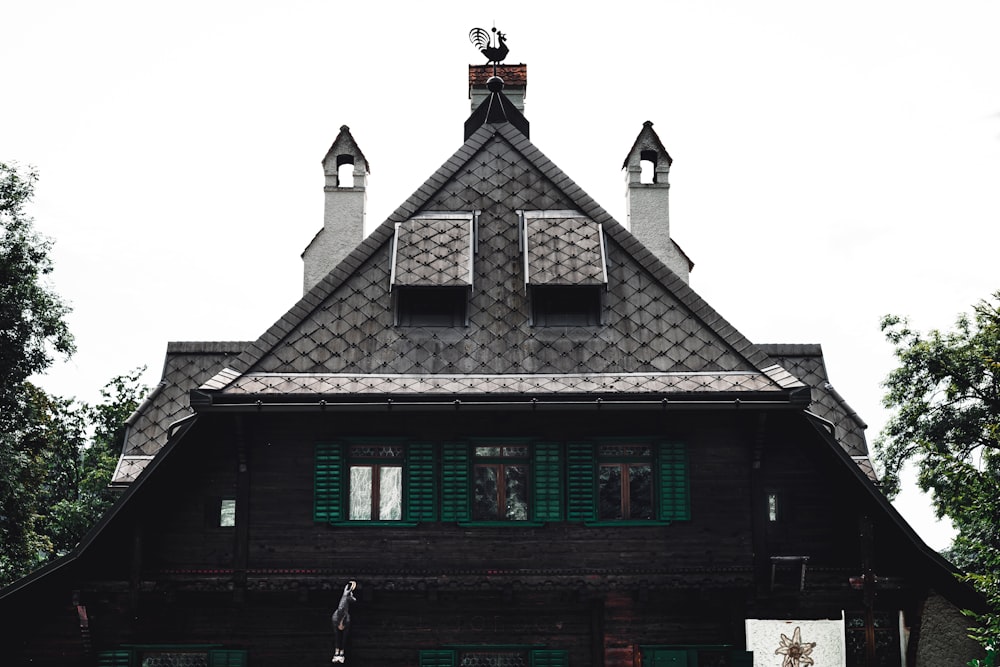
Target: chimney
346	171
647	191
515	83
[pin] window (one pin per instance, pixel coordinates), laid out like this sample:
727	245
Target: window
500	483
172	656
565	267
773	507
625	482
566	305
431	306
389	482
376	483
695	656
431	268
227	512
489	656
507	482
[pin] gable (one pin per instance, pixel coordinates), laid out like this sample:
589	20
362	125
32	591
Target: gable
646	327
188	365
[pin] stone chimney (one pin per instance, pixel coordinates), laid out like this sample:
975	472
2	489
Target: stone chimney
346	171
647	198
515	83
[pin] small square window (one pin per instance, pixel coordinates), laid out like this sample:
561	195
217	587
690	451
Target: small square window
227	513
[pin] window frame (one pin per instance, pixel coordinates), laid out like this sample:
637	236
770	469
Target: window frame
624	462
501	463
670	481
376	464
332	481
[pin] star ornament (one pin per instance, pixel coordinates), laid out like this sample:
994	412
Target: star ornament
795	651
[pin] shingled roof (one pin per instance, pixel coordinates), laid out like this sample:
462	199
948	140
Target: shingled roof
187	365
657	338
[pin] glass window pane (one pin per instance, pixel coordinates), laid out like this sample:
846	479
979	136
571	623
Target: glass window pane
640	491
487	451
520	451
486	498
174	659
772	507
517	492
377	451
390	493
621	451
609	483
361	493
227	512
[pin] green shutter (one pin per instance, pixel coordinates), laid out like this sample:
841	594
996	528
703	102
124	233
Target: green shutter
580	482
455	482
437	659
741	658
327	480
549	658
227	658
547	487
113	659
675	502
421	491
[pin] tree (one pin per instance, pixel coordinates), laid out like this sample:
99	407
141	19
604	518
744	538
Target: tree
945	395
32	323
32	329
71	515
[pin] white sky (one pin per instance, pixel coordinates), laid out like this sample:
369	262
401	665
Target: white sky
833	162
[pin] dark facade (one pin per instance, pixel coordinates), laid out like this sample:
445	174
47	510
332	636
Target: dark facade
522	434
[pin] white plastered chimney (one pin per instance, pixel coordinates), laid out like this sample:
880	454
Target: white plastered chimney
647	200
344	209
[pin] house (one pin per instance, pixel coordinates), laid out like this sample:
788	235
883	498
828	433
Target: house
511	421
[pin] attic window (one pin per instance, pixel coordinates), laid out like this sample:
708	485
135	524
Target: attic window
431	273
431	306
564	267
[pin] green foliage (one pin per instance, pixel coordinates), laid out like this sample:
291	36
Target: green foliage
32	315
32	328
61	488
945	395
53	476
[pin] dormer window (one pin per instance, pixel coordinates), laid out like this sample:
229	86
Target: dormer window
432	264
565	267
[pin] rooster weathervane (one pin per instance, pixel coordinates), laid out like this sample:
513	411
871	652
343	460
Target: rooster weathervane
495	53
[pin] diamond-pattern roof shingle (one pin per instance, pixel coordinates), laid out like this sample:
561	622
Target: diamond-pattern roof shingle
806	363
187	366
654	322
434	251
324	384
563	250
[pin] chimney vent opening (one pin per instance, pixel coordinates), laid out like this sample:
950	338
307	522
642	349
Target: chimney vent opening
345	171
647	165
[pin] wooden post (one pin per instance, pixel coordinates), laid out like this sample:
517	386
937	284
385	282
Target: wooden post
242	533
758	504
867	543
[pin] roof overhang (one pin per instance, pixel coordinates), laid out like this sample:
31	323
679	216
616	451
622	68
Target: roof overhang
312	391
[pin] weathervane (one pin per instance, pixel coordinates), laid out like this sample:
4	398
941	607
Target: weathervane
483	41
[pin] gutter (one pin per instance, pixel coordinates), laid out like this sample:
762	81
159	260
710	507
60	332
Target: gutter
202	401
